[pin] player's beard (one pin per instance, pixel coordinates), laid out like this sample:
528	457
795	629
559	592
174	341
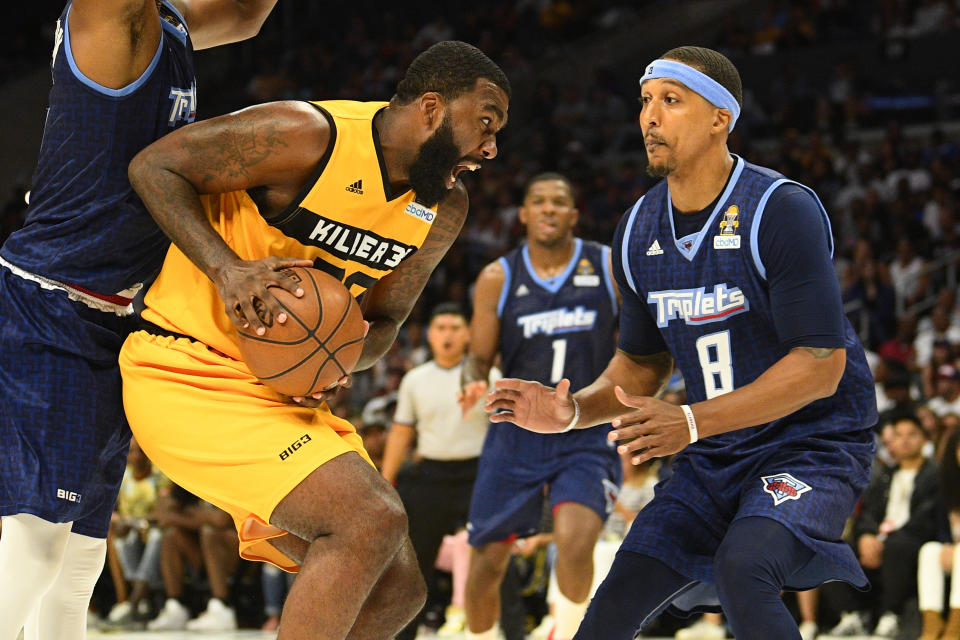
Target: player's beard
662	170
437	157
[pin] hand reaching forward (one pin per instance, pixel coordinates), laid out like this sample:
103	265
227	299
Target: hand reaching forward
531	405
654	430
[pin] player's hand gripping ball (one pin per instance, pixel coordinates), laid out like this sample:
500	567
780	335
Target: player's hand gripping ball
319	343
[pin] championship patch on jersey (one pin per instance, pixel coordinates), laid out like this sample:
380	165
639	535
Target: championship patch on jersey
783	487
698	306
728	238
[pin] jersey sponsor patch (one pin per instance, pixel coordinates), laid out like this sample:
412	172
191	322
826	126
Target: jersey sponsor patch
698	306
726	242
655	249
555	321
586	281
522	290
783	487
420	212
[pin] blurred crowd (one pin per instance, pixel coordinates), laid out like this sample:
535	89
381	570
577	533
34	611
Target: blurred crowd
892	193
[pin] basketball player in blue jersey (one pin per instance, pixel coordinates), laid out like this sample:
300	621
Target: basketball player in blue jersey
122	77
726	268
549	308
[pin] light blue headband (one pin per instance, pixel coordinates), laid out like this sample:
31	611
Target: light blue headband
712	91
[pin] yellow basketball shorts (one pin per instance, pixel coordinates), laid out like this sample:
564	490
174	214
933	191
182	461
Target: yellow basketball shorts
220	433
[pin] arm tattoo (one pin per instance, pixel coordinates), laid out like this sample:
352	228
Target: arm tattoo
243	143
818	352
397	294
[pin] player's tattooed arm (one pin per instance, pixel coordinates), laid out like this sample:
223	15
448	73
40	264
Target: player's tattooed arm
275	146
387	304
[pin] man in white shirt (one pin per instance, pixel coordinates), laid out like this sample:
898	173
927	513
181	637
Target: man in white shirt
437	486
899	514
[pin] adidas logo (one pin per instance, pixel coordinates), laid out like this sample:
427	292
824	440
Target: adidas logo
522	290
356	187
655	249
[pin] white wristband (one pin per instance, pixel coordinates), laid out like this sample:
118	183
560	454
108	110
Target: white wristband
576	416
691	423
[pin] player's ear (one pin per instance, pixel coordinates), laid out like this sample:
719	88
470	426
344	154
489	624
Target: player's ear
432	109
522	214
721	121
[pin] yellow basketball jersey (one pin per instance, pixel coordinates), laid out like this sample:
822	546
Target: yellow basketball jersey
345	219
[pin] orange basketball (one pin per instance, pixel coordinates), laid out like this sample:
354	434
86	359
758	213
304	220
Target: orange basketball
319	343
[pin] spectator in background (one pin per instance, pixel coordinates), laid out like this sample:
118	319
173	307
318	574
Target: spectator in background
907	274
940	329
135	541
899	348
899	513
198	535
939	558
275	583
868	284
436	487
947	394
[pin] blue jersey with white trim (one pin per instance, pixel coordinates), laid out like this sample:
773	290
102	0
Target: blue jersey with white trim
708	294
564	327
85	225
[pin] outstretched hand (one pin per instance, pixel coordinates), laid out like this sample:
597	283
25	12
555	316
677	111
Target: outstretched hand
531	405
655	429
244	288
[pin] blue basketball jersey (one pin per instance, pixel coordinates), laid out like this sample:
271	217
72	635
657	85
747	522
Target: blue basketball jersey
85	225
709	297
558	328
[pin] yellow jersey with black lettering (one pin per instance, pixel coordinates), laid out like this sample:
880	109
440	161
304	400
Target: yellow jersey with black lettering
345	219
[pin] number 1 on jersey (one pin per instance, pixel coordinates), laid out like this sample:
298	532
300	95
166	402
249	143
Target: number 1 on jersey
716	362
559	360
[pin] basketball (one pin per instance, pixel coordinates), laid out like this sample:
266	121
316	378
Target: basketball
319	343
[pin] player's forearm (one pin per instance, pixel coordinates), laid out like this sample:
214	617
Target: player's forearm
175	206
799	378
475	369
637	375
381	336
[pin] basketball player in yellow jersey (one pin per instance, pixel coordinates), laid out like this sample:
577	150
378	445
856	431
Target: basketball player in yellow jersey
366	191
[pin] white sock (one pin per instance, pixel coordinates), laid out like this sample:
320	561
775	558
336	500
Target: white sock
569	615
490	634
63	609
955	579
31	552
